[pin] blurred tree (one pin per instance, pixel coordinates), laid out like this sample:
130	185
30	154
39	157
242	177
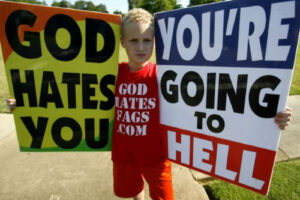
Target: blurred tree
133	4
89	5
62	4
79	5
199	2
30	1
177	6
154	6
118	12
101	8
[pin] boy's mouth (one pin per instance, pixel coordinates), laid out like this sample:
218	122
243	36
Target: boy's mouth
141	54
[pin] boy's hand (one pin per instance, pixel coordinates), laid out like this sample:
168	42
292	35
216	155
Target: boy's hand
11	103
283	119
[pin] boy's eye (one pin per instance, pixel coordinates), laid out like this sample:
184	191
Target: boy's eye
133	40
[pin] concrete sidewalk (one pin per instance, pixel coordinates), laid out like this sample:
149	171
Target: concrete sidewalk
68	175
88	175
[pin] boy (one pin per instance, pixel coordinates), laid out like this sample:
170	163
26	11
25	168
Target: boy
137	150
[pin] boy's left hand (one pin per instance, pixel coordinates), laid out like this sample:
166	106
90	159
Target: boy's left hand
283	119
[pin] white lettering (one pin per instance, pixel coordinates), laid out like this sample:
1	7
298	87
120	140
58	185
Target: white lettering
279	11
130	130
152	103
133	89
141	130
183	147
221	163
166	35
188	22
212	53
142	89
145	117
126	117
247	17
246	171
199	155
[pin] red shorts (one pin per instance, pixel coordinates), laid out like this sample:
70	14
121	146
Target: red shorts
128	180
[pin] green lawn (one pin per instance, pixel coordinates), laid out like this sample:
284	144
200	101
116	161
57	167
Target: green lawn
285	185
295	87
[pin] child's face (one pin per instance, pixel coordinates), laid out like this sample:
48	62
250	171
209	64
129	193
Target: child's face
138	42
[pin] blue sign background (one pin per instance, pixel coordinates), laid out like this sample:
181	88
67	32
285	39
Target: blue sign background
228	57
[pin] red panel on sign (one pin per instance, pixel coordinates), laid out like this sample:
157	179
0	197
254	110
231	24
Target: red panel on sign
247	166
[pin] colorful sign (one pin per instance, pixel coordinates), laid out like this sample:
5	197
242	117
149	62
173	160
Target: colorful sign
61	66
224	71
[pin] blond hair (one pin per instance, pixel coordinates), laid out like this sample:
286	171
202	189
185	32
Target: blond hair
137	15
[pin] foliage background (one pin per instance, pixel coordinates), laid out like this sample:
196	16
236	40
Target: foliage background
151	5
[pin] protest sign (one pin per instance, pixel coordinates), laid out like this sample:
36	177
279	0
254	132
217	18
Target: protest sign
61	66
224	71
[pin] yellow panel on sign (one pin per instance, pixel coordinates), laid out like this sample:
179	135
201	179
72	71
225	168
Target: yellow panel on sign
61	66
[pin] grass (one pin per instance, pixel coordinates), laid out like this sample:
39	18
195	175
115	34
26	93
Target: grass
285	185
295	87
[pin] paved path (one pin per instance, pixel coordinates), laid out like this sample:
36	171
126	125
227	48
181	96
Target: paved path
88	175
68	175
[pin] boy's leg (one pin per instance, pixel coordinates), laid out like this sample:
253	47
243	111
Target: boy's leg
159	179
128	181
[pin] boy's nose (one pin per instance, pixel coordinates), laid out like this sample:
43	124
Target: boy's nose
141	46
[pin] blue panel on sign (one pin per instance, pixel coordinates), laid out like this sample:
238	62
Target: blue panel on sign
248	33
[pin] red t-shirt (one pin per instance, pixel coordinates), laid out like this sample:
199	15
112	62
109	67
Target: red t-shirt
137	137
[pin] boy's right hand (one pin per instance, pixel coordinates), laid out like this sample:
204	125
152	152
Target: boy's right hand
11	103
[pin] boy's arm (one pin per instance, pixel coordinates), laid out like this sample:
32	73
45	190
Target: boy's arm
283	119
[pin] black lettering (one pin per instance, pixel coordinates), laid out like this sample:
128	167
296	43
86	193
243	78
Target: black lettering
200	116
16	19
87	91
272	100
71	79
211	87
63	21
186	79
220	126
58	125
90	133
27	87
37	133
93	27
237	98
105	81
173	96
46	97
